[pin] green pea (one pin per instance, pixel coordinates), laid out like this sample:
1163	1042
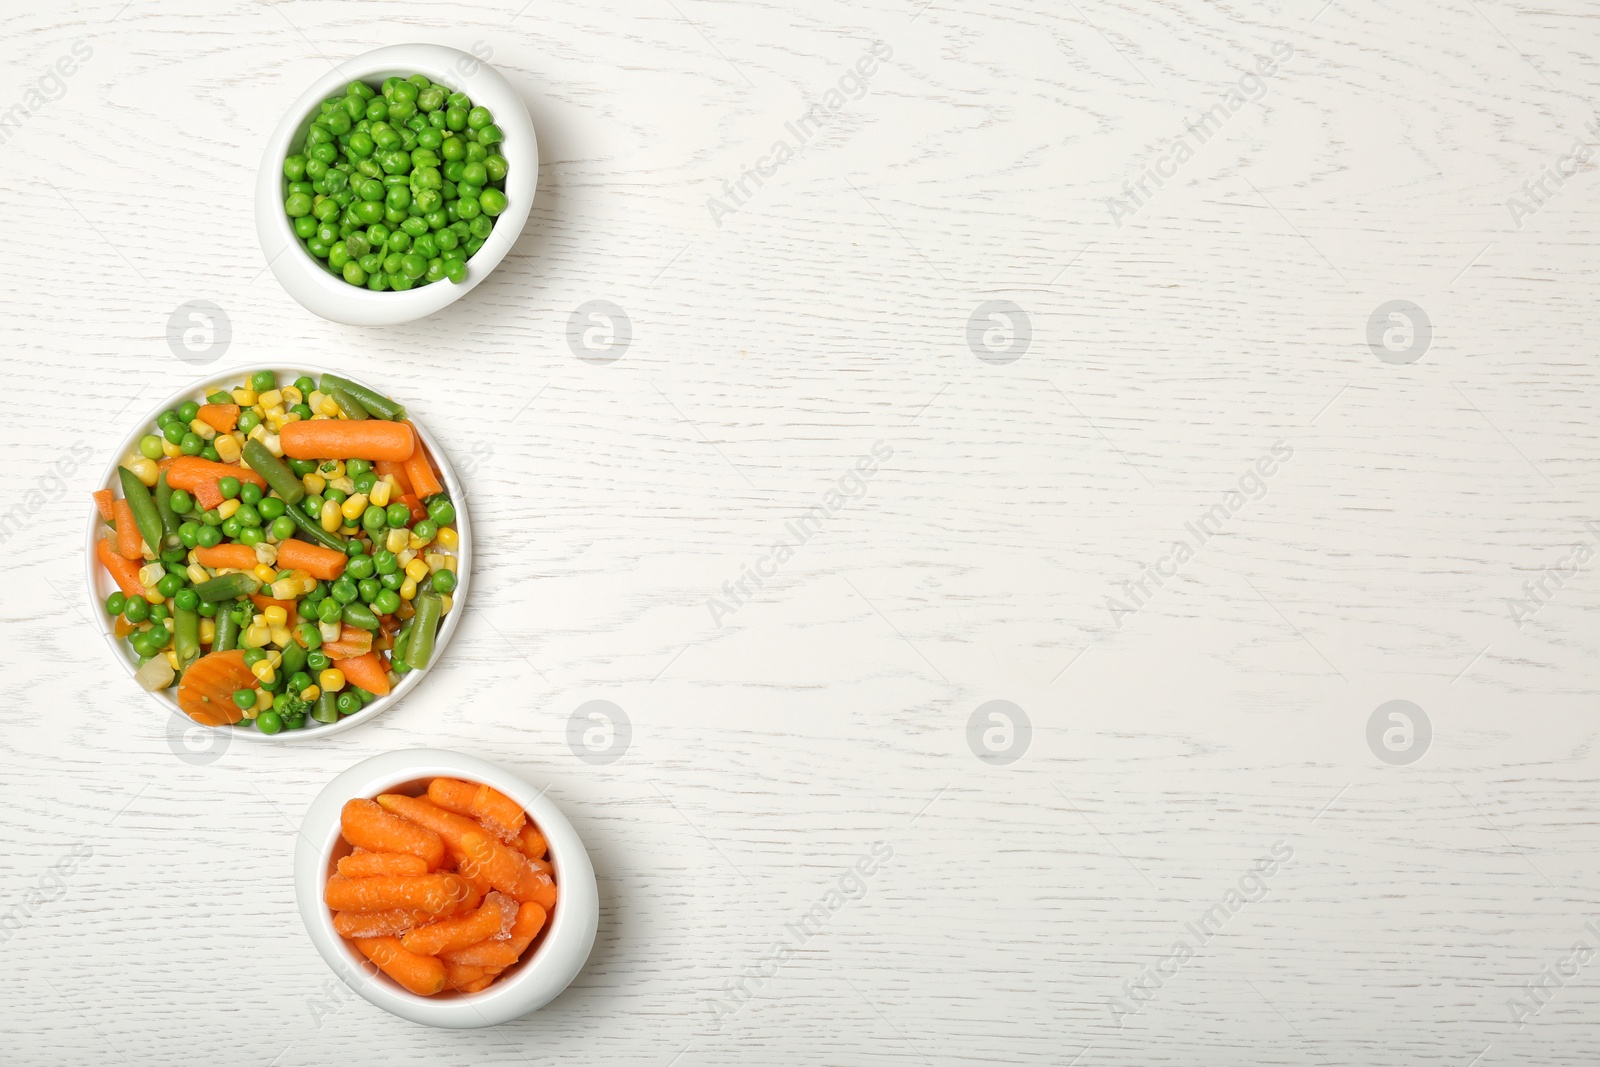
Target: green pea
444	580
399	514
169	584
387	602
208	536
369	589
192	444
297	205
283	528
318	661
349	703
441	511
427	529
228	486
159	612
263	380
150	447
372	520
174	432
186	600
247	515
115	603
303	467
269	721
250	493
455	270
136	609
344	591
251	536
385	562
252	656
392	580
271	507
360	567
180	502
244	698
206	609
189	534
231	526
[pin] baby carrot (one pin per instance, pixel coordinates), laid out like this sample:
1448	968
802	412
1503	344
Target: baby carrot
231	557
423	482
335	438
452	828
123	571
366	864
505	951
499	813
368	826
128	536
386	467
422	975
315	560
366	671
453	795
480	985
188	472
508	870
430	892
491	921
220	417
532	843
391	923
458	976
102	500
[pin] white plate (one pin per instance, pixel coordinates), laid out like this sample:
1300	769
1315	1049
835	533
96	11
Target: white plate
333	298
101	586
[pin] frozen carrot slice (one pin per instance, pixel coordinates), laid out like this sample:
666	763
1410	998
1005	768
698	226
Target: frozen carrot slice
422	975
367	825
430	892
499	814
366	864
391	923
453	795
506	951
492	921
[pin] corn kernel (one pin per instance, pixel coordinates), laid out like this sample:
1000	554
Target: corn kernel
276	420
379	497
145	470
228	450
264	672
314	483
264	573
344	483
244	396
270	399
414	543
329	630
208	631
328	406
417	570
310	692
227	508
435	561
286	589
152	594
331	680
354	506
263	700
198	574
151	573
396	540
291	395
331	518
280	636
408	588
204	429
274	657
266	553
256	635
257	433
449	602
276	616
172	658
448	538
274	445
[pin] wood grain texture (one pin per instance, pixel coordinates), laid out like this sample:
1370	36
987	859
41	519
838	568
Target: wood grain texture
830	312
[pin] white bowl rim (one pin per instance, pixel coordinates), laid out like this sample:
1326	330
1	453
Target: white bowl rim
311	285
538	979
101	585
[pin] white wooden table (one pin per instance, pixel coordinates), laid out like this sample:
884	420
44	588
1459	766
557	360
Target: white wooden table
1064	376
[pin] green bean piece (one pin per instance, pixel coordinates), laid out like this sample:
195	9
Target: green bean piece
424	625
326	709
312	531
169	518
145	515
186	636
227	631
348	404
359	615
278	477
376	403
294	658
227	587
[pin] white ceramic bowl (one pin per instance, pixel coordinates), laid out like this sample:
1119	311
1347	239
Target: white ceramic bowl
536	979
101	585
332	298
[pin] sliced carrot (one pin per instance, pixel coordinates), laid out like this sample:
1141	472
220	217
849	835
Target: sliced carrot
220	417
189	472
531	843
365	864
391	923
102	500
205	693
290	607
424	483
437	893
128	539
453	795
422	975
452	828
368	826
506	951
207	495
120	626
366	671
230	557
351	642
498	813
507	869
386	467
418	512
491	921
347	439
319	562
123	571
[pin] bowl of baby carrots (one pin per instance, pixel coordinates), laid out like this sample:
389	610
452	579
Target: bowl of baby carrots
444	889
278	552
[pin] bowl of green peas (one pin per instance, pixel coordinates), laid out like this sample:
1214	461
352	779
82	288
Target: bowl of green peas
396	184
171	434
